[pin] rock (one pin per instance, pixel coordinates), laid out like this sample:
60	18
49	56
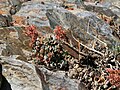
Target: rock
58	80
101	9
77	22
4	84
34	13
5	20
67	20
11	6
14	41
16	2
20	74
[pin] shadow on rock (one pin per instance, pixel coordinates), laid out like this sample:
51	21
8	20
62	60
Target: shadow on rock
3	81
5	84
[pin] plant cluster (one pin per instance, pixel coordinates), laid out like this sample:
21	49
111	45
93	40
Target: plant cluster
114	77
59	32
50	53
32	33
90	70
46	50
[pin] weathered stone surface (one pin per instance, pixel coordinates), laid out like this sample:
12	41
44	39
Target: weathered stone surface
13	41
116	8
4	84
20	75
78	24
34	13
58	80
109	8
25	76
5	20
68	21
10	7
97	27
101	9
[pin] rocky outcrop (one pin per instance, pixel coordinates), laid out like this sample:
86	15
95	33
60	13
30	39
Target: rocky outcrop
20	75
67	20
34	13
85	25
59	80
101	9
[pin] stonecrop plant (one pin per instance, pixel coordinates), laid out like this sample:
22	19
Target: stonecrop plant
32	33
59	32
46	50
114	77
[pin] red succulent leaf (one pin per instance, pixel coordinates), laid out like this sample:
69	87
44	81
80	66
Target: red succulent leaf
32	33
114	77
59	32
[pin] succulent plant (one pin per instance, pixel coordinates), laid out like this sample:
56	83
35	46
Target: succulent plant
90	69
